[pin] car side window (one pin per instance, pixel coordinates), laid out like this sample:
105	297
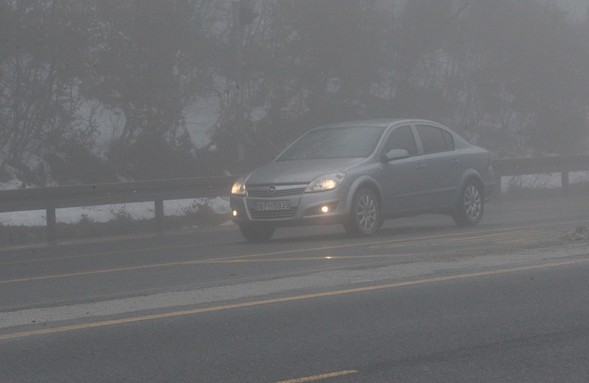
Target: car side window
434	140
402	138
449	140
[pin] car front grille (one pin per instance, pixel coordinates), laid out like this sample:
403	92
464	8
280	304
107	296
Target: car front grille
273	214
264	191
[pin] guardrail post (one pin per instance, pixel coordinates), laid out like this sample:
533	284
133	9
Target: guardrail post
498	189
564	182
159	215
51	224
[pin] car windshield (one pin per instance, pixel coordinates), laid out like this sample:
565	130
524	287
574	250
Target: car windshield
349	142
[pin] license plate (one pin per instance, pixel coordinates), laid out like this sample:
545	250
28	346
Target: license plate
272	205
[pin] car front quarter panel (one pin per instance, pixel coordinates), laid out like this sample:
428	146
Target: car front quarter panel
363	181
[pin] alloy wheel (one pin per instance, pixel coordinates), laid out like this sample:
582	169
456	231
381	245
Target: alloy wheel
367	212
472	202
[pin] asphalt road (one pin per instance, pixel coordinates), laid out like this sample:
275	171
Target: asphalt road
421	301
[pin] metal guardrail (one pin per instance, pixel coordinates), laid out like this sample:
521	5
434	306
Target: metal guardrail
52	198
122	192
540	165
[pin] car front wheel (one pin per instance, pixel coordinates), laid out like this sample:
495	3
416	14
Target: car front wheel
471	205
256	232
365	216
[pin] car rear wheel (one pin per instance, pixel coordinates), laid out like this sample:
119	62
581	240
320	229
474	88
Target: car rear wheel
365	216
256	232
471	205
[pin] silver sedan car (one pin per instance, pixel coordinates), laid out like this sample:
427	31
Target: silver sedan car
360	173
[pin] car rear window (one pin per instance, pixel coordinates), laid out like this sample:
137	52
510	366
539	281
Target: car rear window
434	140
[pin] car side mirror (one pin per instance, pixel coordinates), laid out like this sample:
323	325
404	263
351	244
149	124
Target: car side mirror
395	154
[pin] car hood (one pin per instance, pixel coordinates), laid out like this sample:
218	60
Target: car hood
297	171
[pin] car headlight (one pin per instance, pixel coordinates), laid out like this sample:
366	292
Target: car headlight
238	187
327	182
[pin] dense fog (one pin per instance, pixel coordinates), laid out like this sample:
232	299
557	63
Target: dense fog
111	90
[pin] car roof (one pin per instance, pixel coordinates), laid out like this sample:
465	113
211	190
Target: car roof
379	122
385	123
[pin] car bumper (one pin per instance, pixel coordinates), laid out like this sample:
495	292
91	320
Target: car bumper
305	209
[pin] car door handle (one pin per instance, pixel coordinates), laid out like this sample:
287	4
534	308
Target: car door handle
454	161
420	165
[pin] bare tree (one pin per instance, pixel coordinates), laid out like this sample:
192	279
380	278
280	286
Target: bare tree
39	94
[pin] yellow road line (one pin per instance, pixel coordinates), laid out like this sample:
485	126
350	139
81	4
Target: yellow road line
334	247
507	239
116	270
472	234
241	260
203	262
181	313
106	253
316	378
502	238
468	240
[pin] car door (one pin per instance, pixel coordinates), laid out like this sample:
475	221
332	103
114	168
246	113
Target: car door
443	166
402	180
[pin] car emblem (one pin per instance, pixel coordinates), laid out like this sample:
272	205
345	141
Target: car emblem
272	190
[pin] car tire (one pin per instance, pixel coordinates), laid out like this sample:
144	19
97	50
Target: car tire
256	232
471	204
365	217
